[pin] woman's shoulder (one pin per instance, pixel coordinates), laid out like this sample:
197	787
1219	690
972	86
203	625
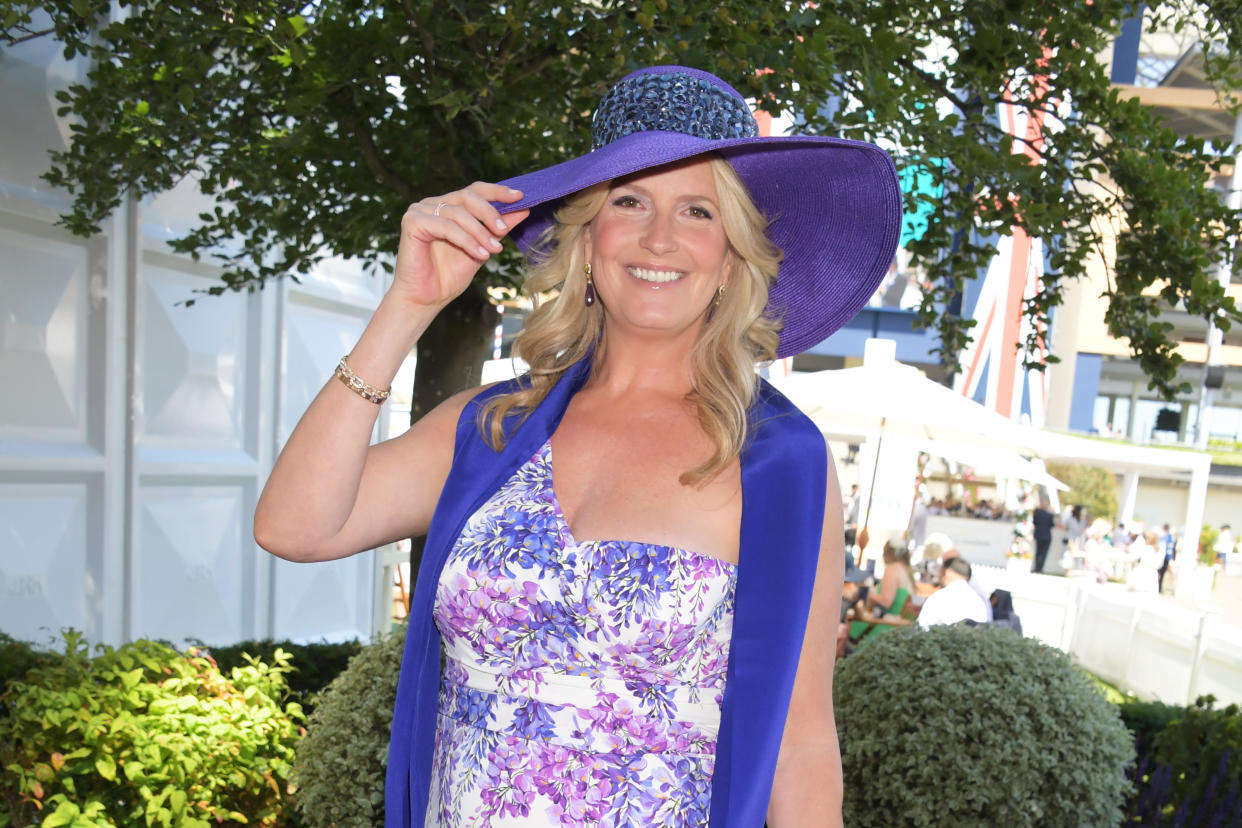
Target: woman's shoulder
468	403
774	415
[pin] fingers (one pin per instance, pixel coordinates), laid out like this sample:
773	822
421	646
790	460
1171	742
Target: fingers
452	225
467	219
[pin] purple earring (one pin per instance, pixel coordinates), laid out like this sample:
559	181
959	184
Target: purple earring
590	287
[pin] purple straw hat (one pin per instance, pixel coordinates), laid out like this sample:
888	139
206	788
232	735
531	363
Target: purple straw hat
834	204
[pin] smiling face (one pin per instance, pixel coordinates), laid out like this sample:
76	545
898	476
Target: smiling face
658	249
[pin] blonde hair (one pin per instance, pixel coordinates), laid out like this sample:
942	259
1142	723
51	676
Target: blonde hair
564	329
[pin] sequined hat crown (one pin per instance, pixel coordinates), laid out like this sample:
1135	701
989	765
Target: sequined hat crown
672	99
833	204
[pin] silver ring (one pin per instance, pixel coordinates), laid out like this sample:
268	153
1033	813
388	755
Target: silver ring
436	212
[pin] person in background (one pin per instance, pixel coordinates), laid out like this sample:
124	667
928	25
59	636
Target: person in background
1042	520
897	575
1002	611
851	520
853	597
955	600
1224	543
974	583
925	569
1075	526
1168	548
918	523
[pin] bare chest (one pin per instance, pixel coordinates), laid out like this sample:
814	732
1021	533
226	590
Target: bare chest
621	482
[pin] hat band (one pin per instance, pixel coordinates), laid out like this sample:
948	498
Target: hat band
670	102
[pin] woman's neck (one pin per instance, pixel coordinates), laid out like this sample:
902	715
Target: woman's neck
632	364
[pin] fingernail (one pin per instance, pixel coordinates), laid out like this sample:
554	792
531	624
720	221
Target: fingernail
483	251
500	225
496	243
514	192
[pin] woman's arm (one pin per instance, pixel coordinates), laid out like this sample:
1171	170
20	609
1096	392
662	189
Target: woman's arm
330	493
806	790
888	589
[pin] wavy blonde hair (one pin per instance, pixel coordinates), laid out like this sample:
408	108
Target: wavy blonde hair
563	329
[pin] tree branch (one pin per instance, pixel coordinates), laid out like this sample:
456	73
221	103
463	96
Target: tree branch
13	41
351	118
424	37
939	85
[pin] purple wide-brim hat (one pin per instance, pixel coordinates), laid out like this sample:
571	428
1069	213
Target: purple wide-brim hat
834	205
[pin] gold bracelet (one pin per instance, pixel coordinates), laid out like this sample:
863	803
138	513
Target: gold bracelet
359	386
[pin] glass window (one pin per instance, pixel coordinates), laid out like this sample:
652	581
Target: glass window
1099	417
1121	415
1226	423
1145	414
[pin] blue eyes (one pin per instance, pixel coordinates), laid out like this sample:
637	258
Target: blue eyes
628	201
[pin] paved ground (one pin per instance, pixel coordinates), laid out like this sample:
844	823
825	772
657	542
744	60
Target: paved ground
1226	598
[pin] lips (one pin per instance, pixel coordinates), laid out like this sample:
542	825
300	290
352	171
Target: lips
655	276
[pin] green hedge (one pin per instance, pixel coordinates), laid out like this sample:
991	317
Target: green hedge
976	726
340	764
1189	770
145	735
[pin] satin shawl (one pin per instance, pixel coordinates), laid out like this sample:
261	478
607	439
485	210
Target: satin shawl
784	474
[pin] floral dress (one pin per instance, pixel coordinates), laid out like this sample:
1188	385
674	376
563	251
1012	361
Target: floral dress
582	682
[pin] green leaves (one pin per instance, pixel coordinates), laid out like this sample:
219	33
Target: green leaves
144	735
287	115
1020	735
341	761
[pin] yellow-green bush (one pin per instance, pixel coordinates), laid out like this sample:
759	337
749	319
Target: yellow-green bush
145	735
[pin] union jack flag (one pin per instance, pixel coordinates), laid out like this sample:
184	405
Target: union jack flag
992	371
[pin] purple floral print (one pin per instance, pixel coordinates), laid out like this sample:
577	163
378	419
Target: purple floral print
582	681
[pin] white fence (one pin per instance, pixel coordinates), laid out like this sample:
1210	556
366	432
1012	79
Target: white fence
1144	644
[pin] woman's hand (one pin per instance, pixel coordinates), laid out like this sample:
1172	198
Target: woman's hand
446	239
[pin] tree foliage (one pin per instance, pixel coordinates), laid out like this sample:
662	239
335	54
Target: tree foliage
1091	487
315	124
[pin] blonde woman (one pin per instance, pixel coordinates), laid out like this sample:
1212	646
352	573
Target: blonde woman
898	575
624	611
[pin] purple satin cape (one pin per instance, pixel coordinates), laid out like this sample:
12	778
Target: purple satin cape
784	479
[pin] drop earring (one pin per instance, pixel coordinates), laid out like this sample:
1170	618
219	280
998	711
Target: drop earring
711	309
590	286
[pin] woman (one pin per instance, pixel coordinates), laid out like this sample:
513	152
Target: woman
898	575
642	636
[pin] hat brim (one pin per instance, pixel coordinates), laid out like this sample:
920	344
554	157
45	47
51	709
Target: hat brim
834	207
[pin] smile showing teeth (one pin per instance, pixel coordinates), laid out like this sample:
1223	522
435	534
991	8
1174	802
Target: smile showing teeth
655	275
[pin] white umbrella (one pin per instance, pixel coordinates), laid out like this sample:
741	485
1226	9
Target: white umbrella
1001	463
895	398
883	396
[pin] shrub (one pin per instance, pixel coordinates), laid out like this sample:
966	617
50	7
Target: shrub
145	735
1191	773
16	659
313	665
1207	544
340	764
1146	720
969	726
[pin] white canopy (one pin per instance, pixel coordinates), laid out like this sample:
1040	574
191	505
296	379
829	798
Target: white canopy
883	396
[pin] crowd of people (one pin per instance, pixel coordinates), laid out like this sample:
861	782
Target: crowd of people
980	509
941	589
1129	553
